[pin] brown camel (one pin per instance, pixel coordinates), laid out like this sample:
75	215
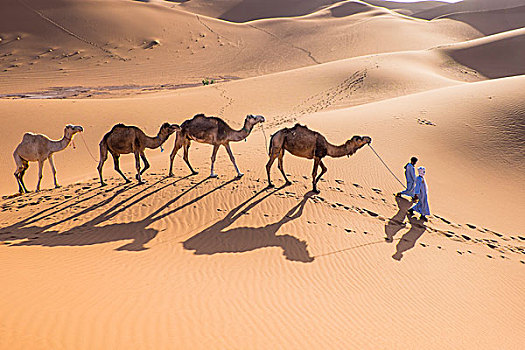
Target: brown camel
305	143
123	139
213	131
38	148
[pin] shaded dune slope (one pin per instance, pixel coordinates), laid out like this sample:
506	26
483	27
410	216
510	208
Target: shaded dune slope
495	56
492	21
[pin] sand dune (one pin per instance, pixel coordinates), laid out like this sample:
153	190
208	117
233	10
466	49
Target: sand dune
495	56
467	6
77	44
164	262
248	10
492	21
407	8
193	262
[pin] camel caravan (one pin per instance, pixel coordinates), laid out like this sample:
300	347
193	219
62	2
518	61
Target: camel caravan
123	139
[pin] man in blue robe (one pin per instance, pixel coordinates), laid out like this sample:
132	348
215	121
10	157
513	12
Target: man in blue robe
421	194
410	174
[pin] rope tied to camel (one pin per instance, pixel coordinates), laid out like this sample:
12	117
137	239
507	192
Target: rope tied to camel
87	148
382	161
265	139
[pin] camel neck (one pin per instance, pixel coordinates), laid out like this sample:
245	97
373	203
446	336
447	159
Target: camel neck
155	142
57	146
336	151
239	135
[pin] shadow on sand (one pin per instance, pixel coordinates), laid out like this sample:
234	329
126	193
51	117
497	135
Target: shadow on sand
90	232
396	223
409	239
217	239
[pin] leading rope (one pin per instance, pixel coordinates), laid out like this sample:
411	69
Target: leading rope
85	144
265	139
382	161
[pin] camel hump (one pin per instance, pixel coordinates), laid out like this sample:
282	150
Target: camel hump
203	117
118	126
28	136
299	127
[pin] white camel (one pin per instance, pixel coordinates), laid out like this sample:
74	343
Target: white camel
38	148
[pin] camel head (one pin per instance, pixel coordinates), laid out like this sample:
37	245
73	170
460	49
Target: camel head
71	130
355	143
167	129
253	119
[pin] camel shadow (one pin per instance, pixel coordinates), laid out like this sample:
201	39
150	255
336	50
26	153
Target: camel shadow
409	239
215	239
91	232
396	222
85	235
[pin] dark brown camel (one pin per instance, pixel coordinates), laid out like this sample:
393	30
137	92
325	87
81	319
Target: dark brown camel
123	139
213	131
305	143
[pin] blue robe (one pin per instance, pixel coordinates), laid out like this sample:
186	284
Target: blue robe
410	174
421	190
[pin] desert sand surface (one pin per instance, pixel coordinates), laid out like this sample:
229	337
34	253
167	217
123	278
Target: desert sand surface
192	262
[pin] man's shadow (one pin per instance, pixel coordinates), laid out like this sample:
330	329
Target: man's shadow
396	222
215	239
409	239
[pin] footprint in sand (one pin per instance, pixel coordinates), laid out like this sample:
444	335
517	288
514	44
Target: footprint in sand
422	121
371	213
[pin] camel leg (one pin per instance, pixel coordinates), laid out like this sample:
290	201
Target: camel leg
116	158
103	157
232	158
137	165
323	170
19	170
40	166
281	168
186	159
17	173
146	163
176	147
213	157
53	170
314	174
21	175
273	156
